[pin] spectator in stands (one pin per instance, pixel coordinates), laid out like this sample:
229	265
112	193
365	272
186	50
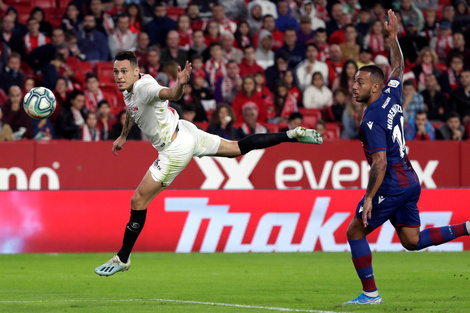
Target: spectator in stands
105	119
277	71
317	95
435	101
308	9
43	129
346	79
295	49
172	51
41	56
352	116
419	128
44	26
255	17
170	68
410	12
242	35
448	13
188	111
159	28
117	8
140	52
249	97
334	113
71	118
198	64
264	55
148	11
291	83
93	93
221	122
412	101
334	23
458	41
365	57
90	130
205	7
134	133
267	8
201	89
305	33
442	43
152	66
212	33
215	66
11	75
184	31
60	93
122	39
270	25
248	65
91	42
135	17
235	9
4	53
306	68
430	24
196	22
50	72
104	22
296	119
350	49
339	36
72	68
425	64
461	20
71	20
229	52
28	84
250	125
452	129
385	66
260	84
364	23
34	38
71	41
198	46
460	99
450	79
225	24
335	63
375	38
15	116
284	19
19	28
228	86
13	40
378	11
282	105
321	40
413	42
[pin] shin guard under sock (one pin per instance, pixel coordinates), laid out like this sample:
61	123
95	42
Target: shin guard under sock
133	229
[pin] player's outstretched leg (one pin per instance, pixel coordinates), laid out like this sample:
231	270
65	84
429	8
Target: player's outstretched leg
113	266
435	236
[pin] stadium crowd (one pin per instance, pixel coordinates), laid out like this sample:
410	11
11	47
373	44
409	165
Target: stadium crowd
258	66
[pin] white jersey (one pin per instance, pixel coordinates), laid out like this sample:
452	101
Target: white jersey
156	119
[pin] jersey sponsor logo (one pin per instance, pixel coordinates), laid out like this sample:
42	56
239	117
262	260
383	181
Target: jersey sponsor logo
393	83
396	108
381	198
370	124
387	90
386	102
155	164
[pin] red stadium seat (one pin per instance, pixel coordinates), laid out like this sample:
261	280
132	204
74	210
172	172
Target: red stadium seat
104	70
44	4
202	125
311	116
26	69
174	12
3	97
333	131
272	127
54	16
87	67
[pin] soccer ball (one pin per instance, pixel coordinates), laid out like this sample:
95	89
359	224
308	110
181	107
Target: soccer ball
39	103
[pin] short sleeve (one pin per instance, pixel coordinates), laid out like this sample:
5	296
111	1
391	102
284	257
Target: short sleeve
376	136
393	88
149	90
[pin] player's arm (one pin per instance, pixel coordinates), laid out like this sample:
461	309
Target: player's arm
376	177
176	92
126	128
396	56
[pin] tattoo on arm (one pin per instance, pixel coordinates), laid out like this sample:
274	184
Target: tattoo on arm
127	125
396	58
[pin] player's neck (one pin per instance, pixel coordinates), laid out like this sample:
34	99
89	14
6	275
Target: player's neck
372	99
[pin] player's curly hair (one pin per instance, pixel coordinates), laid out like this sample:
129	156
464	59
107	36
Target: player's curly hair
126	55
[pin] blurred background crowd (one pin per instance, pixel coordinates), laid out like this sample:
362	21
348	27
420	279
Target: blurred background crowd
258	66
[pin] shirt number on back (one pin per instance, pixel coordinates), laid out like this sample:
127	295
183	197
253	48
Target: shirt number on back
399	137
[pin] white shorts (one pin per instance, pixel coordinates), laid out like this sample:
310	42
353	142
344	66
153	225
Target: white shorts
190	142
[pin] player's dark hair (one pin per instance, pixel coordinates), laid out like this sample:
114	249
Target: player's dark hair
375	72
126	55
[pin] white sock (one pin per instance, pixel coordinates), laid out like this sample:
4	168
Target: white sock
467	226
372	294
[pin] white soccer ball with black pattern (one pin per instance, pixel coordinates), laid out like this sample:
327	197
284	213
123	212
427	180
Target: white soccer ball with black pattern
39	103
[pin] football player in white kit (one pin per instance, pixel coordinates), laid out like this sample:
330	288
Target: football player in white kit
177	142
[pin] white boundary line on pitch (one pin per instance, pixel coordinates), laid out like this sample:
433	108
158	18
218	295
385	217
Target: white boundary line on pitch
178	301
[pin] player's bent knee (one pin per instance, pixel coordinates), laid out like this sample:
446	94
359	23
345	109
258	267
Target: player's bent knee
410	246
137	202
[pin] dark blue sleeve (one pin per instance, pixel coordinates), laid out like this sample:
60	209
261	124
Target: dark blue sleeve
393	87
375	134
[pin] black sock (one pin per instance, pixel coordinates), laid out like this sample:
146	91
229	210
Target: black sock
133	229
261	141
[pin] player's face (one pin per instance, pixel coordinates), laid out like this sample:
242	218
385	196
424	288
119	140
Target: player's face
125	75
361	88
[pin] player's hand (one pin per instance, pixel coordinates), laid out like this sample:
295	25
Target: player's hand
392	25
366	211
118	144
183	75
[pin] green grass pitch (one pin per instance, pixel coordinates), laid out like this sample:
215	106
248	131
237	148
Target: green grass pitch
272	282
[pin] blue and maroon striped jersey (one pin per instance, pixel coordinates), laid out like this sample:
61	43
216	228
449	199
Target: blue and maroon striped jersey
382	130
